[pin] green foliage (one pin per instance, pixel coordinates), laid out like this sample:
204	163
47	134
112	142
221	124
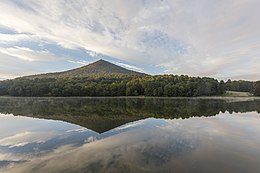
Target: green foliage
102	114
257	89
240	86
113	85
103	78
99	68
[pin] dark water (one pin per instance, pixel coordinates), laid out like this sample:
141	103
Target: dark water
81	135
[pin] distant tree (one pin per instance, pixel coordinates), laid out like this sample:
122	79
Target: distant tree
257	89
241	86
134	88
221	87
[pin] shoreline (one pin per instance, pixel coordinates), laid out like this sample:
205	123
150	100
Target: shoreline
144	97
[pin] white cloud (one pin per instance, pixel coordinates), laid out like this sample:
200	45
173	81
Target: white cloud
28	54
91	53
9	38
81	62
212	38
12	66
131	67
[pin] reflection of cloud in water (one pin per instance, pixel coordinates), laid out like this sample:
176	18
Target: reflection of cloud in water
155	145
149	123
150	146
78	130
130	125
8	163
26	142
24	138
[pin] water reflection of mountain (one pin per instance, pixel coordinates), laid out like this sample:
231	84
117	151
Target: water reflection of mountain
102	114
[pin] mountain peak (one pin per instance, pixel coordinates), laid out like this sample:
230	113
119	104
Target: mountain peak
101	61
100	67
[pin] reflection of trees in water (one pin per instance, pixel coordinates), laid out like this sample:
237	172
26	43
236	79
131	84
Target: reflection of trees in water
107	113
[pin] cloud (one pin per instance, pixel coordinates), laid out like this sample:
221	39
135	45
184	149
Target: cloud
28	54
91	53
211	38
81	62
24	138
131	67
9	38
12	66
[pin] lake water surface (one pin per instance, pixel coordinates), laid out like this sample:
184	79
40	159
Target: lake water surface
67	135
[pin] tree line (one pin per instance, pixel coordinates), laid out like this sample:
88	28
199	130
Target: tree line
243	86
120	85
105	114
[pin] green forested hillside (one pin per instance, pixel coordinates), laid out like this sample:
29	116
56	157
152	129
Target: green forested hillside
114	85
98	68
106	79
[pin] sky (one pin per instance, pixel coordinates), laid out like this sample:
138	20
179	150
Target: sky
214	38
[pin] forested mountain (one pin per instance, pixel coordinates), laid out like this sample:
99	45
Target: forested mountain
106	79
113	85
98	68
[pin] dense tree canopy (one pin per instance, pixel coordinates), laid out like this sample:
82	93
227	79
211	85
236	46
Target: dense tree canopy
241	85
257	89
114	85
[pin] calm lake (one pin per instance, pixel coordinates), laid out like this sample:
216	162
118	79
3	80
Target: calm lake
79	135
